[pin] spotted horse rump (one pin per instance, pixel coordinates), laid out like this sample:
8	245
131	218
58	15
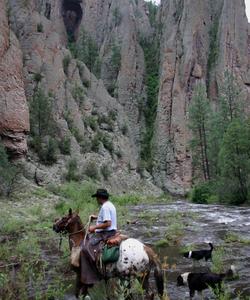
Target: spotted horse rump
133	257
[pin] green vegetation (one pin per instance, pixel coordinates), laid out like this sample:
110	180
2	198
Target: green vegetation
86	50
152	9
116	58
8	173
220	145
26	224
66	62
199	113
234	162
232	237
38	77
117	16
65	145
151	56
108	120
106	171
96	142
39	27
91	170
213	44
78	93
108	143
73	171
43	127
91	121
124	129
219	256
73	129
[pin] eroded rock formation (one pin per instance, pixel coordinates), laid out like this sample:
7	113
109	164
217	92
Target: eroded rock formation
14	115
200	40
35	53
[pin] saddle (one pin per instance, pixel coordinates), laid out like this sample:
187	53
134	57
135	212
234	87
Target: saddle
110	251
116	239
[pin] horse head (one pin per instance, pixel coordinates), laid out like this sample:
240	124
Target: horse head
68	224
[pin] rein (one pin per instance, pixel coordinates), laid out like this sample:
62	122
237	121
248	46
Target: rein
72	233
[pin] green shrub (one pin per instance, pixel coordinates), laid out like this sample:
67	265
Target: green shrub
96	142
72	172
108	143
39	27
41	120
112	88
119	154
124	129
91	121
103	119
37	77
87	52
91	170
86	145
78	94
202	192
48	153
116	58
219	256
117	16
73	129
8	173
86	83
66	62
65	145
112	114
105	171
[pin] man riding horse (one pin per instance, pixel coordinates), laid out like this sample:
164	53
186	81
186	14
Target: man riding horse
106	226
134	260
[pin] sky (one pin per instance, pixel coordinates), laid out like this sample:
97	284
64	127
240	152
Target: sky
247	7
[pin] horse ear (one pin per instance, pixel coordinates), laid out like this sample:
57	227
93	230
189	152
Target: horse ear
70	211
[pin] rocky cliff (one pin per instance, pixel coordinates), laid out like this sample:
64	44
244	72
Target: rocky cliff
200	40
119	76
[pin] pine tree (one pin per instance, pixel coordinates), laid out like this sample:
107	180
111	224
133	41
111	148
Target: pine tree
234	162
199	114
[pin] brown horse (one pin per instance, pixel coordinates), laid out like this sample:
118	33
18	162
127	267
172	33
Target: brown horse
139	257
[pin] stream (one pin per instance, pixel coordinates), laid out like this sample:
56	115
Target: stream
201	224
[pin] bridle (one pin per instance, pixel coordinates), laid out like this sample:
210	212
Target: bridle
83	229
72	233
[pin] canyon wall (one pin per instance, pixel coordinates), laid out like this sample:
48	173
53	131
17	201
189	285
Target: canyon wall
44	46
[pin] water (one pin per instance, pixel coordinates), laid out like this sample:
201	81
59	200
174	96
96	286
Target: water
202	224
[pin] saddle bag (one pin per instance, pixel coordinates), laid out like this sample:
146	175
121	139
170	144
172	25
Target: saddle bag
110	254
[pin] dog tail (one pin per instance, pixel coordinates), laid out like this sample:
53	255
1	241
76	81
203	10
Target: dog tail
231	272
158	273
211	246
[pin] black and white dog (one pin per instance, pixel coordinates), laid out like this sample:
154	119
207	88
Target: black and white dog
200	254
201	281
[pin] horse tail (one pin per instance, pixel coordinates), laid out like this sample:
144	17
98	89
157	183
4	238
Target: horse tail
158	274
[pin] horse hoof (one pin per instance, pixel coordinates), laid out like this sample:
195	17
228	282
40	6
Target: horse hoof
87	297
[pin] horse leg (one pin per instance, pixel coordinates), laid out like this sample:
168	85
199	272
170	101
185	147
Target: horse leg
78	285
145	286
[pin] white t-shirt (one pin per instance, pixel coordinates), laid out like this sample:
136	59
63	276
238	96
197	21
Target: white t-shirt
107	213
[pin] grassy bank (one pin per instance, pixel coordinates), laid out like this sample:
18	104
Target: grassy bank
31	264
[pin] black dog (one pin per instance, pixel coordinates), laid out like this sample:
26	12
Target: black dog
200	254
201	281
